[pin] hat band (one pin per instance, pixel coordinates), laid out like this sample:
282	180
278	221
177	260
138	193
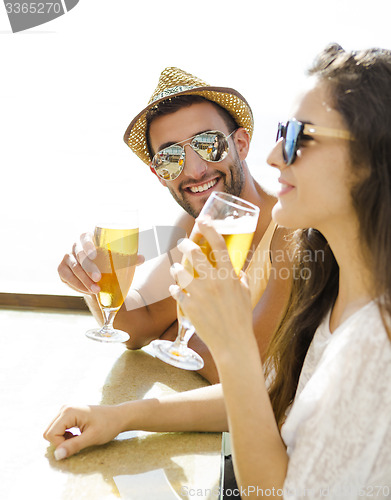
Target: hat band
173	90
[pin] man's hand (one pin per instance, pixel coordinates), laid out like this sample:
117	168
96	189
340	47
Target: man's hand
78	270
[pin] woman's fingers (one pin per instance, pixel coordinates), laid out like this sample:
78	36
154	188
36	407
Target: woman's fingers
57	430
92	421
219	254
75	444
192	253
182	276
177	292
217	301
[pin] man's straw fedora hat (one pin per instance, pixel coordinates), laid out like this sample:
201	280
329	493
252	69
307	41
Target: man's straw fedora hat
174	82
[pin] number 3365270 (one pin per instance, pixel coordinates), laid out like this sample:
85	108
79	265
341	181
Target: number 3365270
33	8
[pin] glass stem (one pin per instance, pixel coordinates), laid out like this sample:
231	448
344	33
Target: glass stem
109	315
184	335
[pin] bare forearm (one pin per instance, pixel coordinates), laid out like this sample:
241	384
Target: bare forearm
259	454
200	410
146	322
209	370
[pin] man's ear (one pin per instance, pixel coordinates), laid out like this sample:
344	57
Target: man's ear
162	181
242	142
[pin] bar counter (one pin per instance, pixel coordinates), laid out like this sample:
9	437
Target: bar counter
46	362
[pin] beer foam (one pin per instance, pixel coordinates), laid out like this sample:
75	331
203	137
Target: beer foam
235	225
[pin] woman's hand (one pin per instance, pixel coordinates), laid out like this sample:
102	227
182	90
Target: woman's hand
218	301
97	424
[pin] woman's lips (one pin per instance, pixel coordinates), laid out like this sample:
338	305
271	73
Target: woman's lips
285	187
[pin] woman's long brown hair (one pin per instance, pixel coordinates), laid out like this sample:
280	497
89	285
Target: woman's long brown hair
360	86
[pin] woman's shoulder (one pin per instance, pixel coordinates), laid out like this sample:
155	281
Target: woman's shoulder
362	340
343	399
366	327
335	363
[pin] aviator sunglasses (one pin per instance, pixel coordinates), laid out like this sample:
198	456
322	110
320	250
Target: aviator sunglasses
293	131
212	146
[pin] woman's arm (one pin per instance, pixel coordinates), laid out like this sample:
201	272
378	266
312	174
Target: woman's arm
198	410
259	455
225	325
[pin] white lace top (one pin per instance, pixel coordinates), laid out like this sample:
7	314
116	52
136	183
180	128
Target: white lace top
338	431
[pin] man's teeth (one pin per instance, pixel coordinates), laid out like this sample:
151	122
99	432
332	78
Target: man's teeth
204	187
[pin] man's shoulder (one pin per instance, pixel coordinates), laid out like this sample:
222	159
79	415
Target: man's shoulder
185	222
266	196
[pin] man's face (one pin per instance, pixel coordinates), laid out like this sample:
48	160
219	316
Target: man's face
199	177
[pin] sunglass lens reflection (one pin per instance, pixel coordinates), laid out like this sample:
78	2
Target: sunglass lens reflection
169	162
290	142
211	146
291	134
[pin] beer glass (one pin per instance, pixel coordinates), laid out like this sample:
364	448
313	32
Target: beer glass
235	219
116	247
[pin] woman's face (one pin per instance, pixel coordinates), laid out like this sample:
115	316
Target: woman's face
315	189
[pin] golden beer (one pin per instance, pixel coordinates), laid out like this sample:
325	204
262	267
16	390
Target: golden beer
238	244
238	235
116	259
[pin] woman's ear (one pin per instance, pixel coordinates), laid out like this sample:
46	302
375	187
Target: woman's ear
242	142
162	182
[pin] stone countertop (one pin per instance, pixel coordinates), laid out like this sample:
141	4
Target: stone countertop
46	362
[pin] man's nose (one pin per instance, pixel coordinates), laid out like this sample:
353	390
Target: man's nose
195	166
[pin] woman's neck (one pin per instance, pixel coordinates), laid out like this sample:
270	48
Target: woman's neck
355	283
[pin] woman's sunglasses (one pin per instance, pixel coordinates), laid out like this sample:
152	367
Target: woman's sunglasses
210	146
293	131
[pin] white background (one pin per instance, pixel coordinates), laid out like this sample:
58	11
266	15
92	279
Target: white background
69	88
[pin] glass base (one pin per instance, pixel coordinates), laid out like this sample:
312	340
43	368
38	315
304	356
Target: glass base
184	357
111	336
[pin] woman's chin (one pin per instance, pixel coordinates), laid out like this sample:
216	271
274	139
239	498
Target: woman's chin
282	216
289	217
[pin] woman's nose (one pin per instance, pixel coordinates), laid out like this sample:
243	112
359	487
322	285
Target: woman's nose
275	157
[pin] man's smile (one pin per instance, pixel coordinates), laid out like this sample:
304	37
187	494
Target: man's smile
202	187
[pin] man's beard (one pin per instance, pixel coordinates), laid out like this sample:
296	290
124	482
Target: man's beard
234	187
